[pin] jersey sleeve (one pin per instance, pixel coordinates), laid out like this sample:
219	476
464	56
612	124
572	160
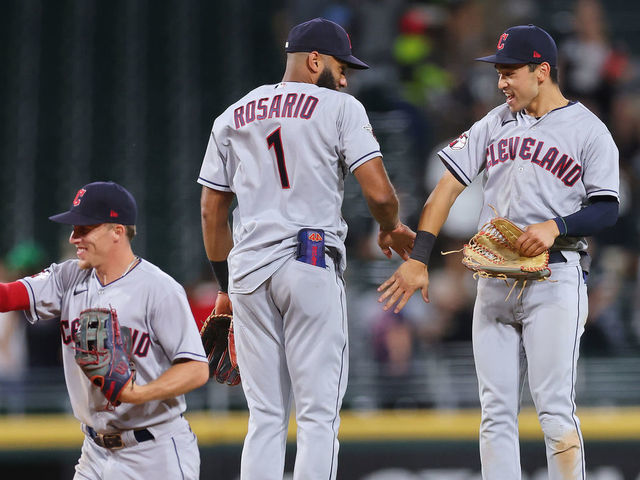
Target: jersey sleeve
465	156
174	327
46	291
212	171
600	175
357	143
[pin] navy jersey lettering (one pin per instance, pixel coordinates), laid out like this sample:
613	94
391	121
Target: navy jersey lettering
534	159
293	106
142	348
302	95
309	107
250	112
274	110
525	150
289	102
574	174
549	158
262	108
238	117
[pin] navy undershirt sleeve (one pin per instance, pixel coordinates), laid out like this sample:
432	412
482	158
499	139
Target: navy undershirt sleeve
600	214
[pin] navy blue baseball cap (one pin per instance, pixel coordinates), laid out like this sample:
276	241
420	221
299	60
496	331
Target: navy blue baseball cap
100	202
524	44
323	36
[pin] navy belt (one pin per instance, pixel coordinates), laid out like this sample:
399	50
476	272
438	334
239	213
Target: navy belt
556	257
113	441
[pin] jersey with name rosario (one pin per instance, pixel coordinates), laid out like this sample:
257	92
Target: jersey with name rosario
536	169
146	300
284	150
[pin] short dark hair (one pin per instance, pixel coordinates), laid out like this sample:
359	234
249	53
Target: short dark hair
131	231
553	71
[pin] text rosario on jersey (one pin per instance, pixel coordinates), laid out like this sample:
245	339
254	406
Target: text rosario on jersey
560	165
292	106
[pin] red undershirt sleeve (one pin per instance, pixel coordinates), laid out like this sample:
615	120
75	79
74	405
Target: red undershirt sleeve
13	296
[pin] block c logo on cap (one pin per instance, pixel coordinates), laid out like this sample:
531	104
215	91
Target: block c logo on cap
501	40
76	200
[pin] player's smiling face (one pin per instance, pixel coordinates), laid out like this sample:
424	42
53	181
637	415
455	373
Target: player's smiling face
92	243
519	84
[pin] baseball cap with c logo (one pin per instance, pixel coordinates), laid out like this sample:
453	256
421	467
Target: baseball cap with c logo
100	202
524	44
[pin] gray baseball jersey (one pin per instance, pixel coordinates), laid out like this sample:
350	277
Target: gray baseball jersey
533	170
284	150
150	303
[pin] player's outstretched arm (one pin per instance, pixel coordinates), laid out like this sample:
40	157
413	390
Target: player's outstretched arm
400	240
13	296
414	274
409	277
383	205
182	377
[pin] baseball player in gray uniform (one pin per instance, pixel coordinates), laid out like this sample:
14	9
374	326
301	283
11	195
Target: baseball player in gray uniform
551	166
146	435
283	150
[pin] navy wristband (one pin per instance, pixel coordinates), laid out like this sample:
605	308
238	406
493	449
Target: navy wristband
422	246
562	226
221	274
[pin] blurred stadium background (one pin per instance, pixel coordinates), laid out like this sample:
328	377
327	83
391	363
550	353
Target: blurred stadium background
127	90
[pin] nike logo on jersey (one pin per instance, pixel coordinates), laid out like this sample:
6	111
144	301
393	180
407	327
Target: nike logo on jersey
79	290
294	106
549	158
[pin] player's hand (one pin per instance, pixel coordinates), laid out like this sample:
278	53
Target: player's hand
537	238
409	277
400	240
222	305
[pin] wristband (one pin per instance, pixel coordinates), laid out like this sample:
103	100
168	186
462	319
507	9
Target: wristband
221	274
422	246
562	226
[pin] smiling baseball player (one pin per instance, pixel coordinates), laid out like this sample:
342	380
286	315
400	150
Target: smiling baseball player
133	424
551	166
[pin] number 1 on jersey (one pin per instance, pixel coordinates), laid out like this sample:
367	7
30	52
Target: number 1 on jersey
274	140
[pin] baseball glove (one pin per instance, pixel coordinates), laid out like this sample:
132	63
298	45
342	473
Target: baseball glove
103	351
492	253
219	344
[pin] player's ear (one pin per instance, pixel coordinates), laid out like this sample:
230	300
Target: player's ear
543	71
119	229
314	62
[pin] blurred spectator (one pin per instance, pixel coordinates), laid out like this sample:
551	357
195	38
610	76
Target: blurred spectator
393	342
592	68
611	291
202	295
28	258
13	356
24	259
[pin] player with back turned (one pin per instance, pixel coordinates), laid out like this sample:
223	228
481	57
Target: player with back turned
284	150
551	166
133	424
